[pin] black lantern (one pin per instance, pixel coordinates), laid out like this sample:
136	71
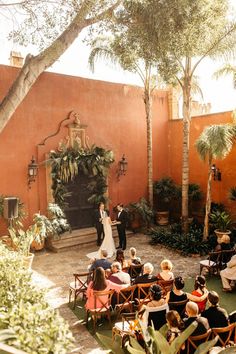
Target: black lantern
122	168
32	171
216	173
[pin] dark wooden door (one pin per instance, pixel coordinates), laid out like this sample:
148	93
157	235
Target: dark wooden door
79	211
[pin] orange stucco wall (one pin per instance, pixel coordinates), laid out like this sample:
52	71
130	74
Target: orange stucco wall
115	119
198	168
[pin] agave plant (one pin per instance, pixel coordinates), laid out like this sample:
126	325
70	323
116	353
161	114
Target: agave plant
220	220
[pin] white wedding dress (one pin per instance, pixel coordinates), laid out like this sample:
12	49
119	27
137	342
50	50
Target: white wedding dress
108	243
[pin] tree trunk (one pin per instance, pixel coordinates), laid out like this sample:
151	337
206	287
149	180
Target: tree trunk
148	109
34	66
208	202
185	153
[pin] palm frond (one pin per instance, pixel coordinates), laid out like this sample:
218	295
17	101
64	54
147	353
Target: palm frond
101	53
227	69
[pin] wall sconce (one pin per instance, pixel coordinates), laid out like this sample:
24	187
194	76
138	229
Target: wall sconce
216	173
122	167
32	171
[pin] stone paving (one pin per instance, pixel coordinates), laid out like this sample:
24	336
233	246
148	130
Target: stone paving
54	271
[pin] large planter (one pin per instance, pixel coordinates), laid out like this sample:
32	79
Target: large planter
37	246
219	234
28	260
162	218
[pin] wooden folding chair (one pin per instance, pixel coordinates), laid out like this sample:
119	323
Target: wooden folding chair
125	299
125	326
102	306
79	286
226	335
194	341
135	270
212	263
166	285
142	293
178	306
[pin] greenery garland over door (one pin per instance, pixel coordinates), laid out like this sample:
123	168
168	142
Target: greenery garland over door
68	162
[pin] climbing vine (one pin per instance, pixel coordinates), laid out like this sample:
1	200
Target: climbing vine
67	163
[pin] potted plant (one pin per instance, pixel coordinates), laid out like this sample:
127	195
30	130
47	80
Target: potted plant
140	214
221	221
43	229
165	191
194	194
232	194
21	241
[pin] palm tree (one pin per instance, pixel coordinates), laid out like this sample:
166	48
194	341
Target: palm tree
227	69
116	50
215	142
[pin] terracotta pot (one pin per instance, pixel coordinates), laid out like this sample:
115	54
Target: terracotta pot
37	246
219	234
28	260
162	217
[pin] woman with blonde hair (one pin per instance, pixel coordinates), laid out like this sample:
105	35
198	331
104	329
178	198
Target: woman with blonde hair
133	257
166	270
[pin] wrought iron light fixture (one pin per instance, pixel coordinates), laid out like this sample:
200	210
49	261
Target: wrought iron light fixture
216	173
32	171
122	167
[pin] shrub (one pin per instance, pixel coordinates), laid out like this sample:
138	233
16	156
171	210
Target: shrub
36	327
172	237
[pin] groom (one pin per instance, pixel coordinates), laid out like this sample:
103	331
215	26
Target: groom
122	219
100	213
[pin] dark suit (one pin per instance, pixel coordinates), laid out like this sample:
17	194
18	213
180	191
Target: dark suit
99	226
122	218
104	263
145	278
202	327
217	317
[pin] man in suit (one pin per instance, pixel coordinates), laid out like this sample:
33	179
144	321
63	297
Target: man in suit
192	312
99	215
122	219
147	276
217	316
103	262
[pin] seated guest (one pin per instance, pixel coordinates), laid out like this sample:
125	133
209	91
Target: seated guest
117	276
192	312
223	244
166	273
102	262
133	257
217	316
175	326
120	257
147	276
228	274
199	287
177	294
155	310
99	283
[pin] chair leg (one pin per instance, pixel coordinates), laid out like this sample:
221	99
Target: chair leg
75	298
70	295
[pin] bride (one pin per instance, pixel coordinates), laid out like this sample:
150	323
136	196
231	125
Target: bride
108	243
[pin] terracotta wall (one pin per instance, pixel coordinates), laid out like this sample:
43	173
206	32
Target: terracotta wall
198	169
115	119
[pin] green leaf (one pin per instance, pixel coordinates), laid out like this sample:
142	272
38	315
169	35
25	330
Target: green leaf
205	347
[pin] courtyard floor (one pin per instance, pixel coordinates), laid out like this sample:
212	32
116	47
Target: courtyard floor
54	271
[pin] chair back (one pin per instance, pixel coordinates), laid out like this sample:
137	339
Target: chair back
194	341
178	306
166	285
81	281
125	298
226	255
158	317
225	334
135	270
143	291
102	300
127	318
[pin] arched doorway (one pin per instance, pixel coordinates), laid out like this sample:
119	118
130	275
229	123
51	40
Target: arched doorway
79	212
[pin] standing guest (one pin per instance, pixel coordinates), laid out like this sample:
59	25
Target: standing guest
199	290
102	262
147	276
192	312
121	221
217	316
100	283
99	215
166	270
120	257
118	276
228	274
134	260
175	326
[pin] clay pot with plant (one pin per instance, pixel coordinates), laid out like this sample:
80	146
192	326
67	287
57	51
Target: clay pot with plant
164	190
221	221
140	214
